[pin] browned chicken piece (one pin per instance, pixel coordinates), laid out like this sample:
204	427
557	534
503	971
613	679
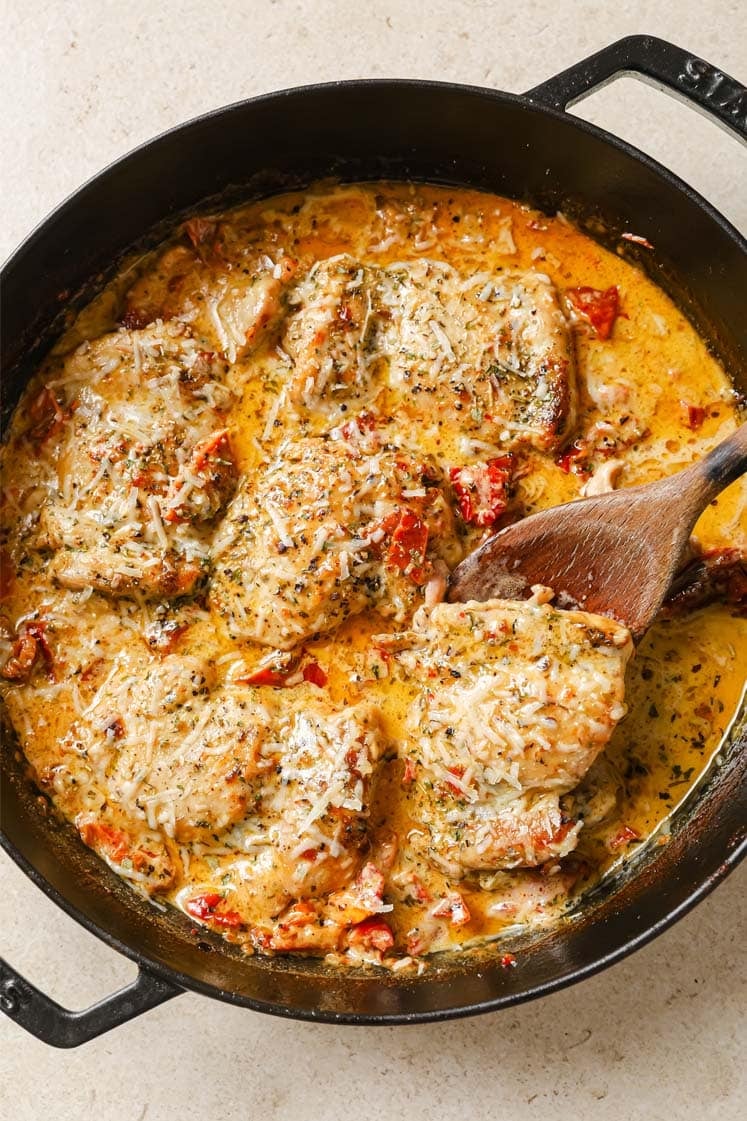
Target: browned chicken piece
198	777
162	750
230	298
308	825
329	337
240	312
329	528
124	572
491	357
530	359
514	702
143	464
209	778
161	291
79	771
165	752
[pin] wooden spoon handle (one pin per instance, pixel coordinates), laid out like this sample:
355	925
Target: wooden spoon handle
726	462
702	482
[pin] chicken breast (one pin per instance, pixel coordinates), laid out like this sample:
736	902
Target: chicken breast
329	528
229	294
492	357
514	702
165	749
330	335
143	463
309	822
239	312
164	754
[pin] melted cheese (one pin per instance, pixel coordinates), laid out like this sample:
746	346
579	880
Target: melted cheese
284	816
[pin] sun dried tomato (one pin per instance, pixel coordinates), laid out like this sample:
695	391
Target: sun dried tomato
203	907
453	907
37	629
278	676
215	446
624	835
692	415
717	574
408	545
47	417
30	643
21	661
372	934
601	308
483	490
114	842
574	459
314	673
266	675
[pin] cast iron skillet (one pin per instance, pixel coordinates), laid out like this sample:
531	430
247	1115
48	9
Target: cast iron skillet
525	147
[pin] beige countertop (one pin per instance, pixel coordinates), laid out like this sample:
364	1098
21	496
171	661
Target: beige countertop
659	1036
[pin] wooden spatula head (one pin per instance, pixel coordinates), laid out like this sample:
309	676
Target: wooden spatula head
614	554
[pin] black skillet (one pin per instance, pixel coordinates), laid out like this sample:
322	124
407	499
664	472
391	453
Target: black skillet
523	146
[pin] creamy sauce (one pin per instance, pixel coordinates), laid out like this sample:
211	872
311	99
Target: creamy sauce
651	390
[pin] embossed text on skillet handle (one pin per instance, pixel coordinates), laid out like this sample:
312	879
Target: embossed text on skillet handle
662	64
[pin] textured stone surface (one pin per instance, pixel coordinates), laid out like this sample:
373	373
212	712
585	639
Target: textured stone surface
658	1036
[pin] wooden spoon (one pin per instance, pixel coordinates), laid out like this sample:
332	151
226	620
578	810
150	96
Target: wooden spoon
615	554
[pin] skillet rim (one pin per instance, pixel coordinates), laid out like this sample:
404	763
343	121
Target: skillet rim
519	100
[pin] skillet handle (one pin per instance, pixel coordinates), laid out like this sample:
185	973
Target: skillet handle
53	1024
663	65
